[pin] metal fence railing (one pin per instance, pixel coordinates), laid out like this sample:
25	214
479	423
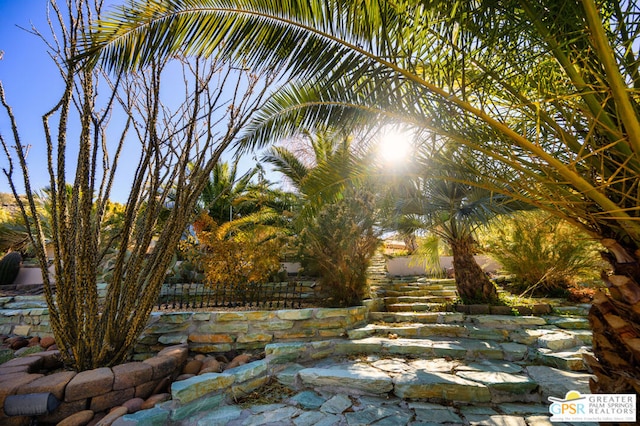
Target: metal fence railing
282	295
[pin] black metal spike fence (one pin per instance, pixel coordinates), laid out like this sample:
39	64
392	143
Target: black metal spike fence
264	296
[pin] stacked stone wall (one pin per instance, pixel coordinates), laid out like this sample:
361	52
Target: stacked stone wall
204	332
219	332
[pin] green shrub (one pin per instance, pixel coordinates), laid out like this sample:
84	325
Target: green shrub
546	255
10	267
338	244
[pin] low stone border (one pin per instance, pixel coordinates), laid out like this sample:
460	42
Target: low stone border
96	390
211	390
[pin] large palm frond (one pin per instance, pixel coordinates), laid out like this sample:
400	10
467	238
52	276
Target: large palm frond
287	163
548	89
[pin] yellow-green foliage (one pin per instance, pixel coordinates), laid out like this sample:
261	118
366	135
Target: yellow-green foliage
545	254
238	258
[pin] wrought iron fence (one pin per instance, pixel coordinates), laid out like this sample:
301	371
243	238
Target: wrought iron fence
283	295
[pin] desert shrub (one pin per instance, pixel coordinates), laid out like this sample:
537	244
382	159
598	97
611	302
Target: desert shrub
545	255
338	243
187	267
236	258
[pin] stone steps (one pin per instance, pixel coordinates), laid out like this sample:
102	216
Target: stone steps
416	299
535	339
454	348
437	379
454	372
416	317
470	364
412	288
397	293
414	294
414	307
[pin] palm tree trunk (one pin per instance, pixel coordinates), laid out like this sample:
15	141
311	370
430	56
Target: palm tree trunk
471	282
615	322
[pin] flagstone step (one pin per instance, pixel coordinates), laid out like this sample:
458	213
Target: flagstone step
488	321
416	299
428	288
547	337
581	310
571	323
414	307
455	348
437	379
552	347
445	293
421	317
571	359
412	293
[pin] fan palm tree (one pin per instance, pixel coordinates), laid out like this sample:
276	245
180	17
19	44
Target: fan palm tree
452	209
549	89
331	165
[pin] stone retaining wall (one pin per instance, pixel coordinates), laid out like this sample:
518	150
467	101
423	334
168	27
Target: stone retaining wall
204	332
218	332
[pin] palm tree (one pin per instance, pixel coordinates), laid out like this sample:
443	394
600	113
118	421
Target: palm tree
223	190
330	166
547	88
335	220
452	211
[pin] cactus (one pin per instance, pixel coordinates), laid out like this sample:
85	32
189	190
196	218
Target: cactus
9	267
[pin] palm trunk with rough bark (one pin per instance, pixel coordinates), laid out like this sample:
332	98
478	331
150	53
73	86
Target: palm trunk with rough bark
615	322
471	282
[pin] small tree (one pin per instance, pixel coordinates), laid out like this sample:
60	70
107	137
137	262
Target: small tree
178	143
336	214
339	242
446	199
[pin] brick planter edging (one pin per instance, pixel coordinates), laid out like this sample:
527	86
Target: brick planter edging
211	390
96	390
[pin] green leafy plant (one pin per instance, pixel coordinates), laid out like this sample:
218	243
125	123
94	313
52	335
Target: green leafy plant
236	258
428	255
335	218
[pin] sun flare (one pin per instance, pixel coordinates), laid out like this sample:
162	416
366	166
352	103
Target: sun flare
395	145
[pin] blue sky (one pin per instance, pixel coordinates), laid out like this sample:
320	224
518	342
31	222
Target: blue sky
32	86
27	75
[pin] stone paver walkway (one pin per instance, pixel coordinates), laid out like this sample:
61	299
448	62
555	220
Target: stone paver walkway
399	381
393	392
413	366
